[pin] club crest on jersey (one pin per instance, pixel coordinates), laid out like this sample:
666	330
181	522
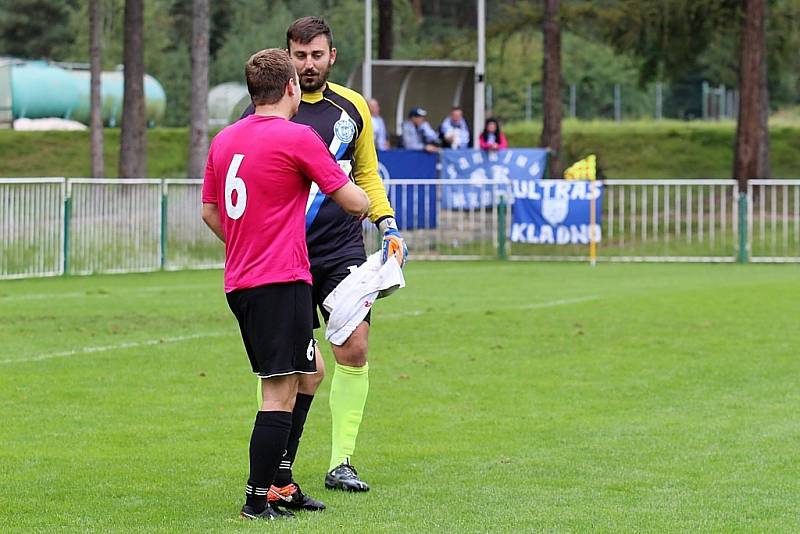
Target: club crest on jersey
345	130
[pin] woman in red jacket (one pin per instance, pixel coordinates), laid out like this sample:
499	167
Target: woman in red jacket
491	137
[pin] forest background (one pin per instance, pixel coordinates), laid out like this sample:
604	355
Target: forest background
604	43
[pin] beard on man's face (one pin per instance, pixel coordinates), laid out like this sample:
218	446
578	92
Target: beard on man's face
312	79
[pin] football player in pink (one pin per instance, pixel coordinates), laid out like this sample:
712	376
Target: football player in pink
256	186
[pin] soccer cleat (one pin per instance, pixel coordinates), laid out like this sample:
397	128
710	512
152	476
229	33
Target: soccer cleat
345	477
270	513
290	496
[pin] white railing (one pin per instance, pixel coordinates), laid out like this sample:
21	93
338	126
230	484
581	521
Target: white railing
642	220
114	225
49	226
31	227
671	220
773	228
431	230
187	242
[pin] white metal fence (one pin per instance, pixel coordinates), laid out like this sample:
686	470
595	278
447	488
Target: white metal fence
773	229
50	226
114	225
31	227
661	220
432	231
187	242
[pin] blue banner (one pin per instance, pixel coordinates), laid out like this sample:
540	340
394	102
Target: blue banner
555	211
510	164
414	205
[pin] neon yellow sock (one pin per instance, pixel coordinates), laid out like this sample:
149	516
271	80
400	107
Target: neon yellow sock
349	388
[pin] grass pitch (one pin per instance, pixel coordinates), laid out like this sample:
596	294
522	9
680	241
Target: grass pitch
505	397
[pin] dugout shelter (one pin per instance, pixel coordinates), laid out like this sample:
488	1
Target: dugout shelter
436	85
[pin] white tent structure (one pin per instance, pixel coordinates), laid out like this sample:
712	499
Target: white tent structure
225	102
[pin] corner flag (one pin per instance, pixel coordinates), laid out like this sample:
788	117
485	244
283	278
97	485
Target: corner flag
585	169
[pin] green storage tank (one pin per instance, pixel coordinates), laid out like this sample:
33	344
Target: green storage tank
40	89
112	90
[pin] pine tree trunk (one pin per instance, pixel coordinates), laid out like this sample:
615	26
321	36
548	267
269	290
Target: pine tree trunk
752	131
385	31
198	134
551	84
416	6
96	100
133	143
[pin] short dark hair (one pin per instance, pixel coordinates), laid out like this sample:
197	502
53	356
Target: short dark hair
305	29
267	73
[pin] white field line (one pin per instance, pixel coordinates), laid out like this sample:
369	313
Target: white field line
180	339
118	346
562	302
42	296
530	306
101	293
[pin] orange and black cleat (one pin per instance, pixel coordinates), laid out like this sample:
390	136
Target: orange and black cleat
290	496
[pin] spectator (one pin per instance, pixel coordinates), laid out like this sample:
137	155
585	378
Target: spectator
378	126
491	137
454	130
418	134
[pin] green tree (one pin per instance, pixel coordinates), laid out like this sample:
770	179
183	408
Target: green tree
35	28
256	28
385	29
95	97
551	84
752	132
133	137
198	126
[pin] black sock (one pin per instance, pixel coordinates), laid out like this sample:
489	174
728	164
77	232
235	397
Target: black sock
267	443
301	407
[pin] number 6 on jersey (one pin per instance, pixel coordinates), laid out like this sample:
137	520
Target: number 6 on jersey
234	183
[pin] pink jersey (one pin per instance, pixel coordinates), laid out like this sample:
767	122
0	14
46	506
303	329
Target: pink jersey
258	173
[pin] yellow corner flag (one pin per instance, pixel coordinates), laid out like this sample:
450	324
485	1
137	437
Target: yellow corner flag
585	169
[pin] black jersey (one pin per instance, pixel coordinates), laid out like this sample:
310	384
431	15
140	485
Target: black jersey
341	117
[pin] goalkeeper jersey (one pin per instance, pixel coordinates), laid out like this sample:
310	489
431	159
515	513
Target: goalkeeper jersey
341	117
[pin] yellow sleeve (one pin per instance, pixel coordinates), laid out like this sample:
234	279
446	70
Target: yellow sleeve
365	169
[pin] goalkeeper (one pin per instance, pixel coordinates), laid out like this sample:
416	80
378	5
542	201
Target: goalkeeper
335	244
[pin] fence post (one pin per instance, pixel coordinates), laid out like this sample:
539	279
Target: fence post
67	217
573	101
501	229
529	103
659	101
163	251
742	227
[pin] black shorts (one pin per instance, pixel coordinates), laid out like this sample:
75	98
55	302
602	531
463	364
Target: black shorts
326	277
276	325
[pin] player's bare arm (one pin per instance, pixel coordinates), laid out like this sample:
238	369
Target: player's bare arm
211	217
352	199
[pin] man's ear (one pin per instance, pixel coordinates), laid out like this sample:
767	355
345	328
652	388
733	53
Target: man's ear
333	55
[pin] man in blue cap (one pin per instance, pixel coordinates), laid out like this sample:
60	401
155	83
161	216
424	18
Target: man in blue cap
417	132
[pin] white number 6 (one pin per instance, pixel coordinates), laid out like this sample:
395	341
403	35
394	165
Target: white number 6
234	183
